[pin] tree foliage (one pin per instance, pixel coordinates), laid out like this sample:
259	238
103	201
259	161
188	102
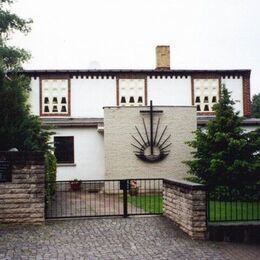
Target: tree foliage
223	154
256	106
18	128
11	58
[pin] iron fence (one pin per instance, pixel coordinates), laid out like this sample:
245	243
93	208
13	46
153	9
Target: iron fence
93	198
234	203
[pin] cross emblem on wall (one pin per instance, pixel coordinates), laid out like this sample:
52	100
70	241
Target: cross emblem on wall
151	147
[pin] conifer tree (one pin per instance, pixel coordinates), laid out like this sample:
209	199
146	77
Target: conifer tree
223	154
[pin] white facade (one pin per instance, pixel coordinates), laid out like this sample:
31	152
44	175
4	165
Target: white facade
235	85
88	94
34	97
88	156
170	91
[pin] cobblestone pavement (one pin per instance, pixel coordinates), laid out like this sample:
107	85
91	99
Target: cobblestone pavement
113	238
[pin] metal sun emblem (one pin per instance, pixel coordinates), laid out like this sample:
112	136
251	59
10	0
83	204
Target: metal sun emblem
153	147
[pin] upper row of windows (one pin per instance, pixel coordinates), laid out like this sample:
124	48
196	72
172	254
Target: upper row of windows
55	94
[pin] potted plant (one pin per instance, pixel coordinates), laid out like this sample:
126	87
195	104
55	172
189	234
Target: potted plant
134	189
75	185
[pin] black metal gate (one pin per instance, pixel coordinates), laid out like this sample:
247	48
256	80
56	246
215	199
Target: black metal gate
99	198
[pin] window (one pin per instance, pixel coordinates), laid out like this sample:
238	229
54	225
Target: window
123	100
64	149
55	95
131	92
206	93
197	100
140	99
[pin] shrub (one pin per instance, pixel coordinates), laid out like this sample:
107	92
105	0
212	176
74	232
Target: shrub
50	176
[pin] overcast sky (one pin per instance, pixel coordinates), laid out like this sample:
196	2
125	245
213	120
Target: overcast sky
123	34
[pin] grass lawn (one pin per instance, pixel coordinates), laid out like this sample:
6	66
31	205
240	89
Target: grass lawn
231	211
218	211
151	203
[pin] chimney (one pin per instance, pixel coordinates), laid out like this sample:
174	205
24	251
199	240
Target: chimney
163	57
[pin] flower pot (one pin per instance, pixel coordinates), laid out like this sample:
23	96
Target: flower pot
75	185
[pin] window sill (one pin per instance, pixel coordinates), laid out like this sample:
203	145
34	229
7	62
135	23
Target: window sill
66	164
54	115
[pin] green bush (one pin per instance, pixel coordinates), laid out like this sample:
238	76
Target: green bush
239	193
50	176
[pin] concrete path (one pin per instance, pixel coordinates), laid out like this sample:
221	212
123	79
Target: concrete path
113	238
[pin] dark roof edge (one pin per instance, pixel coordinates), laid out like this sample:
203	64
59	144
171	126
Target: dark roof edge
94	122
73	122
154	72
246	122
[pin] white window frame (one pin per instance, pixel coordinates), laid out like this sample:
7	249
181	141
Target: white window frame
206	93
132	91
51	93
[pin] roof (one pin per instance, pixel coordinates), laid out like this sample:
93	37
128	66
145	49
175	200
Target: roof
154	72
202	121
99	122
73	122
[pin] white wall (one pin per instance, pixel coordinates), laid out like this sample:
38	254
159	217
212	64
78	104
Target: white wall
235	85
169	91
88	155
34	97
89	96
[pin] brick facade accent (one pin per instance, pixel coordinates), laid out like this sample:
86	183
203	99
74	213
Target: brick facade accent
163	57
185	204
22	199
246	96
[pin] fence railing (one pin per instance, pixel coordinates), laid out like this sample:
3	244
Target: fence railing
104	198
234	203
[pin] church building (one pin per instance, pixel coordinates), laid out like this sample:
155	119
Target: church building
106	126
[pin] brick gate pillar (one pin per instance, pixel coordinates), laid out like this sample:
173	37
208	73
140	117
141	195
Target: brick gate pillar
22	193
185	204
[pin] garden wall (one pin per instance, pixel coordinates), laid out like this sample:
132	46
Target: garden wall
22	196
185	204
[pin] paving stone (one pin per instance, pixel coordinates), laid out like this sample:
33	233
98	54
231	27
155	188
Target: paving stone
113	238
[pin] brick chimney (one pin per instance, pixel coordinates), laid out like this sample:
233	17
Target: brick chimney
163	57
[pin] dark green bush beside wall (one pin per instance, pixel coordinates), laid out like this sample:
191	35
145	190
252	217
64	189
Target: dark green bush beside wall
50	176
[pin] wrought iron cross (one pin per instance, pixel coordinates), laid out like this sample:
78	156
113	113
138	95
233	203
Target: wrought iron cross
151	150
151	112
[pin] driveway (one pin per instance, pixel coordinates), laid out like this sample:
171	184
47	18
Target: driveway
113	238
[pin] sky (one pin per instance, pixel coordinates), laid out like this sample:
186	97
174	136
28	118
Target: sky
123	34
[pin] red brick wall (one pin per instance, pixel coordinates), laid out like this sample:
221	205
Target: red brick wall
246	96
